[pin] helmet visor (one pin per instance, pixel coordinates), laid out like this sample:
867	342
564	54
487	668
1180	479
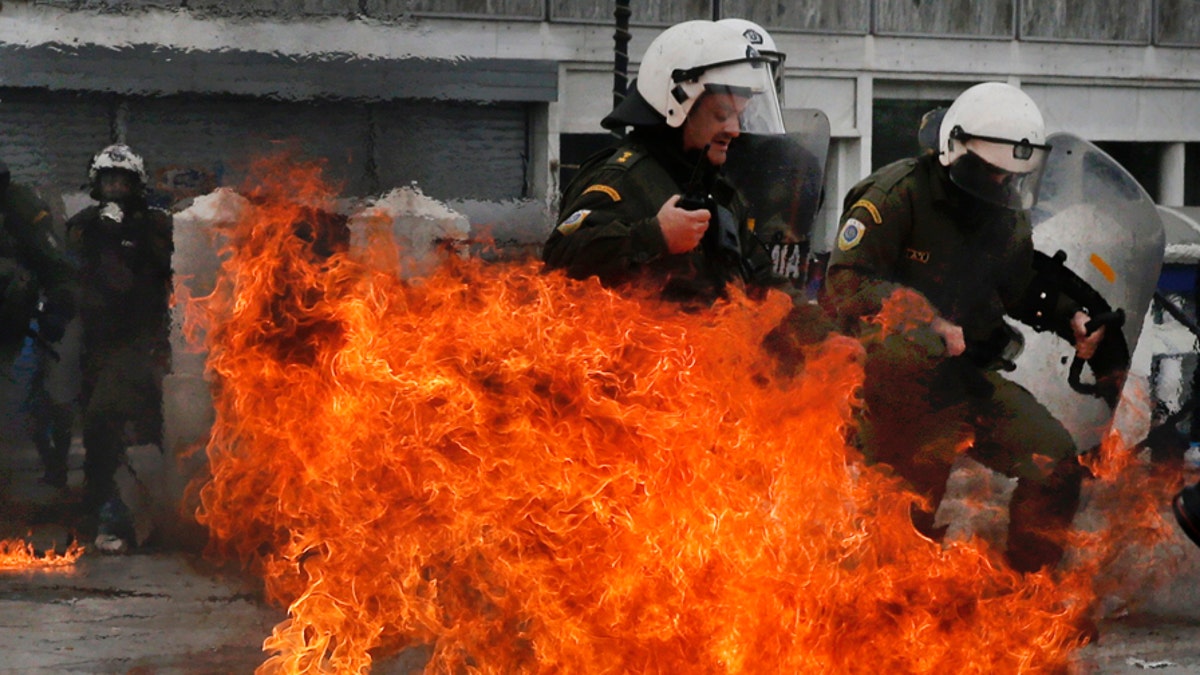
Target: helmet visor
752	79
1015	190
776	59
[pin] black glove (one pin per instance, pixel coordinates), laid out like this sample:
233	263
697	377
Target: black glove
53	320
50	328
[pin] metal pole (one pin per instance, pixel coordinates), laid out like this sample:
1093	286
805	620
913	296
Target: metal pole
1176	312
621	54
1188	407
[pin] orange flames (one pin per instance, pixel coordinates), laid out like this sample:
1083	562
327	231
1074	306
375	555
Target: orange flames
19	554
533	474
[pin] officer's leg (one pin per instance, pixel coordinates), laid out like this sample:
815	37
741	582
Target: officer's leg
104	415
1018	436
62	421
43	424
103	440
910	423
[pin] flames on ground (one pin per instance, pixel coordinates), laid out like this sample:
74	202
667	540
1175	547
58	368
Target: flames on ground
20	554
534	474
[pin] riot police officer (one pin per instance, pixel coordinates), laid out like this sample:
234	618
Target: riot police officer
34	270
33	265
123	248
953	226
656	207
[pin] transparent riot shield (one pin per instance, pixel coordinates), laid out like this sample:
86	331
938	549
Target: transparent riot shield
1099	239
782	177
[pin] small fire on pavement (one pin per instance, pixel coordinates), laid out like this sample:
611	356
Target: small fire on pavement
534	474
18	554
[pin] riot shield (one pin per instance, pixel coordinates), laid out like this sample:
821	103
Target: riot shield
1099	239
782	177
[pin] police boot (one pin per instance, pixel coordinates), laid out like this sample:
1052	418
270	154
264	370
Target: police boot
1040	516
115	533
1186	506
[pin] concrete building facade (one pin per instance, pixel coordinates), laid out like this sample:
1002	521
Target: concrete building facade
482	103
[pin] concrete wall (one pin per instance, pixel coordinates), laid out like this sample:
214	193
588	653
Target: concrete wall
1126	92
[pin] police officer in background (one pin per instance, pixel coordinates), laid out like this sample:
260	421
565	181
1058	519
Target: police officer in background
656	208
34	271
33	265
123	248
954	226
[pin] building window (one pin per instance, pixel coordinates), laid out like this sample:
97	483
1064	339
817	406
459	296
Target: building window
895	123
574	149
1141	160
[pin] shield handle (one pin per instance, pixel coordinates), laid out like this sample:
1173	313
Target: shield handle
1115	319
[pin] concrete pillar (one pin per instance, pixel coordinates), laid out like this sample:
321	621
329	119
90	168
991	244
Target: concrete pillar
864	120
1170	174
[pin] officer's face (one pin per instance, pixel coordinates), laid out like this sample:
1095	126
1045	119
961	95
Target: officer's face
714	121
115	185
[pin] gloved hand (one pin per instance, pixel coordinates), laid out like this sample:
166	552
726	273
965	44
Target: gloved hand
51	328
111	211
112	219
53	319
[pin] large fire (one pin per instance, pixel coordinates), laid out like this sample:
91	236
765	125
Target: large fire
534	474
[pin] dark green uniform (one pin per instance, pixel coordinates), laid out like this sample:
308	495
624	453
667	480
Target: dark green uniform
33	263
908	225
608	225
125	288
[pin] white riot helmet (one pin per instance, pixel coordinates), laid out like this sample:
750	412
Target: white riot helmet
119	157
761	40
993	139
690	59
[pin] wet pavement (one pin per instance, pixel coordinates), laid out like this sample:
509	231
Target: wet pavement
155	611
145	613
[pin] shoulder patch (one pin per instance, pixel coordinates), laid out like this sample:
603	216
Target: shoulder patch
606	189
851	234
573	222
625	157
871	208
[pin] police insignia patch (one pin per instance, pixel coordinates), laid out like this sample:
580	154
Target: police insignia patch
852	233
573	221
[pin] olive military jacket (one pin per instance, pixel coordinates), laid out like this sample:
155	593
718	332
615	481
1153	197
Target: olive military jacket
608	225
908	225
125	276
33	261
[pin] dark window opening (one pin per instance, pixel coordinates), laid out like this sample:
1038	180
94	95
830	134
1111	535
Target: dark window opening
1191	174
574	149
895	125
1141	160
